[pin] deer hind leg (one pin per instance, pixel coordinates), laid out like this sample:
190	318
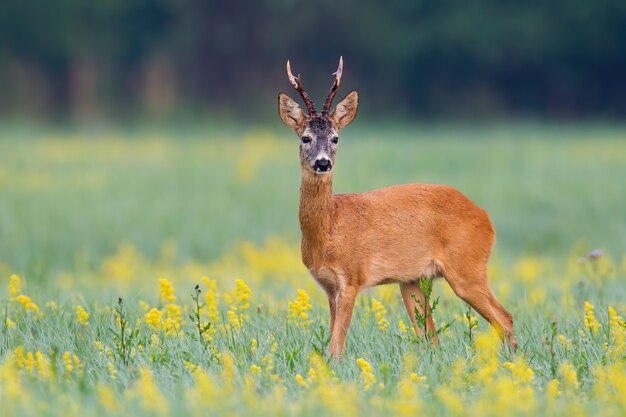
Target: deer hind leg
472	285
345	300
412	288
332	304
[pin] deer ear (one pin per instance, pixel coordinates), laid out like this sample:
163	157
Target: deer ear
290	112
345	111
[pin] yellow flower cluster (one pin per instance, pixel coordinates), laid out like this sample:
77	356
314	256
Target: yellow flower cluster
170	318
173	319
167	291
565	342
239	302
32	363
487	345
148	394
380	311
242	292
298	309
82	316
367	375
72	364
154	319
308	381
15	286
211	299
617	328
590	321
568	376
16	295
402	326
520	371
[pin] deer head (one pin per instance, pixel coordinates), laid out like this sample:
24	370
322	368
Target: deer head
318	133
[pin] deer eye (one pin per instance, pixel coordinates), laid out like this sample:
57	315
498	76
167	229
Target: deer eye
306	139
335	140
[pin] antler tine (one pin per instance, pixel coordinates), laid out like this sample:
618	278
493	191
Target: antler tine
333	89
297	84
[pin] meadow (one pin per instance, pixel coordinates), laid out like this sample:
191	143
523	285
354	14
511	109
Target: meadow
157	272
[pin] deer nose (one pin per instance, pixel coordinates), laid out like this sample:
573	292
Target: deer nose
322	165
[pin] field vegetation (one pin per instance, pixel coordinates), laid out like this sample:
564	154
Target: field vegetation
158	273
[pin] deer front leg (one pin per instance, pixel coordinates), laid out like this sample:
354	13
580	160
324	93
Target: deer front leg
409	290
345	299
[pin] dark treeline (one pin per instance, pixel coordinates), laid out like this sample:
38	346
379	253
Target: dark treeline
108	58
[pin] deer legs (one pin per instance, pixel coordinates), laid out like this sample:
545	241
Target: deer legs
408	290
332	304
344	304
473	287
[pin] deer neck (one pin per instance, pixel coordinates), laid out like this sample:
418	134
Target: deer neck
316	207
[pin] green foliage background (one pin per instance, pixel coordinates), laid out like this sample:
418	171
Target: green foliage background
455	58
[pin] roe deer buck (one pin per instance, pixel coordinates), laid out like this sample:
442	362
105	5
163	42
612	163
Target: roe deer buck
396	234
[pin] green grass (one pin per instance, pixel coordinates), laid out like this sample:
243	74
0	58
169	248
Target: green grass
545	187
183	201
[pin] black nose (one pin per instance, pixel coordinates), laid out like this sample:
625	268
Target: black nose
322	165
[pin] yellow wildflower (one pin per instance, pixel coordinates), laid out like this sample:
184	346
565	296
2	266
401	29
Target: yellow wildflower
503	396
417	378
146	390
380	311
255	369
107	397
565	342
171	327
242	292
301	381
521	372
144	306
568	376
487	345
29	362
298	309
401	326
42	365
154	318
27	303
167	291
174	312
618	332
590	321
112	370
234	319
553	389
9	323
228	371
211	298
15	285
19	356
99	345
451	400
367	376
191	367
82	316
72	364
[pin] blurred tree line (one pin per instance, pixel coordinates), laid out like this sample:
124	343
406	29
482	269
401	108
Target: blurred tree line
112	58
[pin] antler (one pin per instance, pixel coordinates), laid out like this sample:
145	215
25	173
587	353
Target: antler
333	89
297	84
